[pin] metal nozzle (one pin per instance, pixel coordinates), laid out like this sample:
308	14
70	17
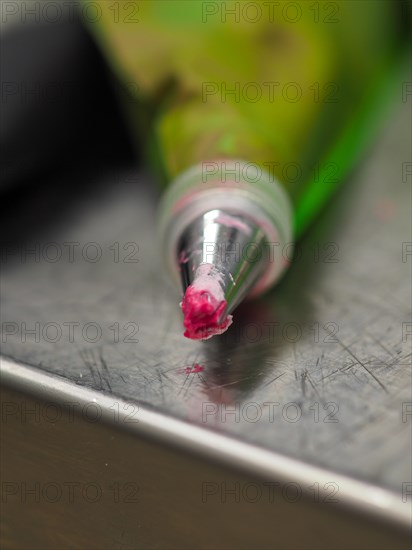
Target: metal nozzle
231	245
212	230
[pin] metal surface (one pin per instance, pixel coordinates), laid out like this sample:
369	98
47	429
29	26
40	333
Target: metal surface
131	492
317	370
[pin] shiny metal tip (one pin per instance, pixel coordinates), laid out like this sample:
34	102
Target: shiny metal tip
220	256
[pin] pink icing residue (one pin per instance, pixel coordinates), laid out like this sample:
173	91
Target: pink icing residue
231	221
203	306
194	370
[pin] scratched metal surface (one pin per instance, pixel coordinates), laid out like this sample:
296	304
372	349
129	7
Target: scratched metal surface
339	390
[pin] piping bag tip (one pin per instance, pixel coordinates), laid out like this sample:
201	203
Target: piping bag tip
216	271
204	305
215	233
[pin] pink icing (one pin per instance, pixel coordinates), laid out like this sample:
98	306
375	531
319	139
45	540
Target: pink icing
194	370
203	306
231	221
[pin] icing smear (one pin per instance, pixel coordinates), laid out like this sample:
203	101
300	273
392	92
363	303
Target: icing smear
204	304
